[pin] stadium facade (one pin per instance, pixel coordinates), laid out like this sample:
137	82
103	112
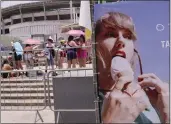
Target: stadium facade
39	19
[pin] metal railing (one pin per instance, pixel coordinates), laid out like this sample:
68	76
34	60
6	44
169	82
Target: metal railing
69	73
31	89
23	93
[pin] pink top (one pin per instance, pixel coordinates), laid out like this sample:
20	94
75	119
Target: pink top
82	53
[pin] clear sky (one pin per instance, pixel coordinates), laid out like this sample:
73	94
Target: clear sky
146	15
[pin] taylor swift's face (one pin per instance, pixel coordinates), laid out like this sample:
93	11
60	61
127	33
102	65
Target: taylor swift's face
118	42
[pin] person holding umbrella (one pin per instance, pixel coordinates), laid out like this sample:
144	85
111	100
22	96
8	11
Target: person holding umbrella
28	55
30	46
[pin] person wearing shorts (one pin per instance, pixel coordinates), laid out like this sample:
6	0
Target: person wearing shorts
82	52
71	52
62	55
50	53
18	52
17	57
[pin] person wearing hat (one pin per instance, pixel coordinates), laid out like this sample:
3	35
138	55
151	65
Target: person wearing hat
50	52
63	43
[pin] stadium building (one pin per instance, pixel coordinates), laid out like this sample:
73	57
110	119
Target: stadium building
39	19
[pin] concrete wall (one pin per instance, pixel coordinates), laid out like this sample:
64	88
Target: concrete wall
25	30
37	14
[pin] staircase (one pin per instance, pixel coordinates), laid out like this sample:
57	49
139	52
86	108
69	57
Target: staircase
25	94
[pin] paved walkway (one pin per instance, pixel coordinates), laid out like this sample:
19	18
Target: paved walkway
26	116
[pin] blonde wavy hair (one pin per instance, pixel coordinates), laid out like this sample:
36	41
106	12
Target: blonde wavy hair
113	20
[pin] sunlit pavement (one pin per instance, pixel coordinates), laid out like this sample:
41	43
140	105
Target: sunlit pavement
26	116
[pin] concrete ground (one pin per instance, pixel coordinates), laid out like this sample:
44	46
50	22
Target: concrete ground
47	116
27	116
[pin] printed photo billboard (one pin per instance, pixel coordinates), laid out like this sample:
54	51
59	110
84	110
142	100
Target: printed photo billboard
132	50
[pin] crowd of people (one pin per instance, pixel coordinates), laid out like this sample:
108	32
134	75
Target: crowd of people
75	50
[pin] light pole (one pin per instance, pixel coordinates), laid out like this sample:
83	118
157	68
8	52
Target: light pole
71	14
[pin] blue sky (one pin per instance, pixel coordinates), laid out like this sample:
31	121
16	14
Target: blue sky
146	15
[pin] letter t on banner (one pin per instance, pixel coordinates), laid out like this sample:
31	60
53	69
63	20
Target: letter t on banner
85	18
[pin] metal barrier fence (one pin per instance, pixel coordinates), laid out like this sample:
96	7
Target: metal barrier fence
66	73
34	69
30	89
81	91
23	93
58	57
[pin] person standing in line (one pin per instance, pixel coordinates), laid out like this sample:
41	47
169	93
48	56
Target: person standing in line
82	52
18	52
71	52
50	53
89	51
77	41
62	54
28	56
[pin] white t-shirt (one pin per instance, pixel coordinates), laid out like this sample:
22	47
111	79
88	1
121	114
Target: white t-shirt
46	51
50	45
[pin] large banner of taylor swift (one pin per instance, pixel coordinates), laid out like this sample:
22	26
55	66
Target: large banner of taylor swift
132	49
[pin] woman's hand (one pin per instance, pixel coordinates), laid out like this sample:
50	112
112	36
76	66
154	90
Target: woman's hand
124	106
158	95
